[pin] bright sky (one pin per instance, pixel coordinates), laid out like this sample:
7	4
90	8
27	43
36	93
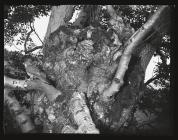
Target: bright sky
41	24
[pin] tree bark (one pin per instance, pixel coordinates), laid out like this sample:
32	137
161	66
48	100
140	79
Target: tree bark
60	15
79	66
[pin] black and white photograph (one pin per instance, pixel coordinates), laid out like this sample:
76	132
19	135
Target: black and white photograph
88	69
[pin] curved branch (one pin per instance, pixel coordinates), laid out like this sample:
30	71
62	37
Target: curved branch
36	34
134	41
28	35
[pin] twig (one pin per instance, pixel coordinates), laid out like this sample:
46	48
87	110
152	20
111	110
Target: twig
16	46
38	47
37	34
28	35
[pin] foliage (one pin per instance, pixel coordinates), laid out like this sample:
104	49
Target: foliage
18	19
163	67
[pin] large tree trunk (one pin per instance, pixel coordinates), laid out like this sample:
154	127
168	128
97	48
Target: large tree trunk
97	75
74	67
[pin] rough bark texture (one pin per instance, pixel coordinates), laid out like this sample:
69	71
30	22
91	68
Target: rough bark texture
84	60
60	15
97	76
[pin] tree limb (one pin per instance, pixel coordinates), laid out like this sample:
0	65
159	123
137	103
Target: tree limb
134	41
81	114
51	92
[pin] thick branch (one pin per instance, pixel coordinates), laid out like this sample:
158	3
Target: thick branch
51	92
134	41
111	11
81	114
21	118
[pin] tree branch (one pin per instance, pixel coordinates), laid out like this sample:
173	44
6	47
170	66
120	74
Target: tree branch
51	92
134	41
28	35
81	114
37	34
31	50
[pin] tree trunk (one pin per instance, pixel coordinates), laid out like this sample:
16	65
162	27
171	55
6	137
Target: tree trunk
60	15
97	76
